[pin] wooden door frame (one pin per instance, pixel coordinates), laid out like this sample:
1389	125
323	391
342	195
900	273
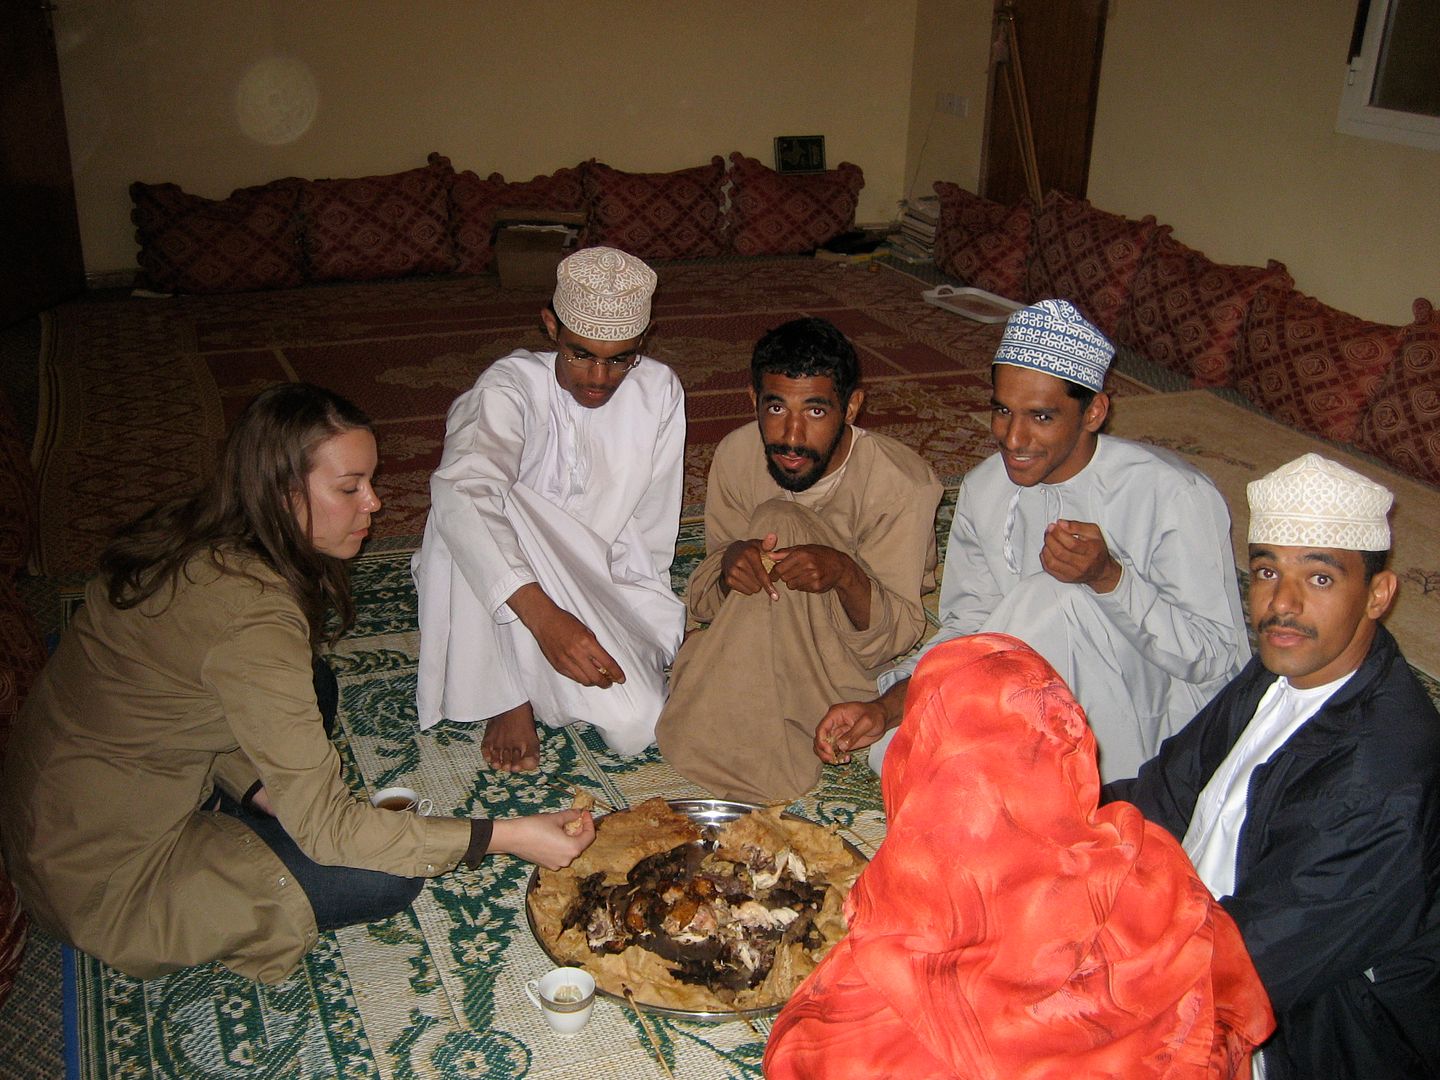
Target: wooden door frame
1072	175
42	262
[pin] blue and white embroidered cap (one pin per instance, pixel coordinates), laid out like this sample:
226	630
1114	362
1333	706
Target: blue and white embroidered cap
1053	337
1316	502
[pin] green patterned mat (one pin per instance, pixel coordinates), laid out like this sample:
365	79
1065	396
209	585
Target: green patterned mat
438	990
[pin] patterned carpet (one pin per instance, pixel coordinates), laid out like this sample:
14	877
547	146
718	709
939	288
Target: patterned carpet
137	393
135	396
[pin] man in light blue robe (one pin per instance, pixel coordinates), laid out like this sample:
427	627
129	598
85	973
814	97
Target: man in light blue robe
1110	558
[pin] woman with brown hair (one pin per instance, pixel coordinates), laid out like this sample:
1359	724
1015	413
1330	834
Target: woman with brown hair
170	795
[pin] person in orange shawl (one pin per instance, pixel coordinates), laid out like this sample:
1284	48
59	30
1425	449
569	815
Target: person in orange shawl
1009	927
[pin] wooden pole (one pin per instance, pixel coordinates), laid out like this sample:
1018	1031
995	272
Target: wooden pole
1008	54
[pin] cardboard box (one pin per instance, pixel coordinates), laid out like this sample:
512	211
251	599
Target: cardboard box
526	258
530	242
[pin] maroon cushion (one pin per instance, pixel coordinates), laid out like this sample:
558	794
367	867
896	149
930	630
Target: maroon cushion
1402	424
983	243
1186	312
19	506
379	226
674	215
1086	256
188	244
785	214
474	203
1311	366
13	928
22	655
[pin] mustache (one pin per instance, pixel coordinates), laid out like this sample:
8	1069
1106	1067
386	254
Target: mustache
1275	622
780	449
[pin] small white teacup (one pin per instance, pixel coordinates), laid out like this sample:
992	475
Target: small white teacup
566	996
401	798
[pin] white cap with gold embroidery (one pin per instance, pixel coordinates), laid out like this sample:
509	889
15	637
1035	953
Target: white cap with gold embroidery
604	294
1314	502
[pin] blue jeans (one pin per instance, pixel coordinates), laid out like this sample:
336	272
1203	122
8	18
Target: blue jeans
339	895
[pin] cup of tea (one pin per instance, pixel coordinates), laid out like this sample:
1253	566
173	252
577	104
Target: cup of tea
401	798
566	997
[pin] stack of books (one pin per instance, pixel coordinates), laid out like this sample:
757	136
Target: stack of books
915	240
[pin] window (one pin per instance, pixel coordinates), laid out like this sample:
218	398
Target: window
1392	80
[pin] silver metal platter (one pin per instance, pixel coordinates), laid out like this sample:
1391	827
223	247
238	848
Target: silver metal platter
710	814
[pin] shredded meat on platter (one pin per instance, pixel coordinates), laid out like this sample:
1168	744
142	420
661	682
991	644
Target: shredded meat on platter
696	922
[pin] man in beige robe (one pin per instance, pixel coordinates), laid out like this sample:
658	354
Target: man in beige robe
819	543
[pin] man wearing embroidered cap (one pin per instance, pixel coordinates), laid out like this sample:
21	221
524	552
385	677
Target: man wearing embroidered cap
544	575
1109	558
1308	792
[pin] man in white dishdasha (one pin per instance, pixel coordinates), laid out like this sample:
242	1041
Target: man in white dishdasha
544	575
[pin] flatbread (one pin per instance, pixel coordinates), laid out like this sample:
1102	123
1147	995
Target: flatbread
624	838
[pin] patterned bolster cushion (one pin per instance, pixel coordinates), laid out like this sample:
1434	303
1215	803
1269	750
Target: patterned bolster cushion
1186	313
1402	424
375	227
981	242
18	498
475	202
22	655
250	240
788	214
674	215
13	927
22	651
1311	366
1086	256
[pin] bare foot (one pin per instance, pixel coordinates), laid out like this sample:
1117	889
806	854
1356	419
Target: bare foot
510	743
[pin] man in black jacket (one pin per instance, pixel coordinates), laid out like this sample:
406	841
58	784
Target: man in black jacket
1307	793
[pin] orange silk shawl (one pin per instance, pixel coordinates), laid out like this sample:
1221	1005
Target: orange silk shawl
1009	927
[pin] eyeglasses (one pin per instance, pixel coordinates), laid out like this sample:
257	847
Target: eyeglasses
623	362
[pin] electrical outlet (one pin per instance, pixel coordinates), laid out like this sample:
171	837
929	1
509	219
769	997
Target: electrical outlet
952	104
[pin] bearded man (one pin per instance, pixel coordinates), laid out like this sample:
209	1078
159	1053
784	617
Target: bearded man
817	552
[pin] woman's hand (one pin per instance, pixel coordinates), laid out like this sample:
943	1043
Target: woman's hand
542	838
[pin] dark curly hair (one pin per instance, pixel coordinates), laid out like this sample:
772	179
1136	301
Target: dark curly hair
806	348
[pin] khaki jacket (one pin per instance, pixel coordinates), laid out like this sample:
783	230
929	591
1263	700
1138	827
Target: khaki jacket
138	717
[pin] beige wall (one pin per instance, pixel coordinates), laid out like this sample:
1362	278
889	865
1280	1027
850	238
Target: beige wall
952	56
1218	117
151	90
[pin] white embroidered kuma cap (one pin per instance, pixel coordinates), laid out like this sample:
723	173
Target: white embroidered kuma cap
1313	502
1052	336
604	294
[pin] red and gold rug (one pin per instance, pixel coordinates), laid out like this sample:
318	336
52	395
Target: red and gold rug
137	393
